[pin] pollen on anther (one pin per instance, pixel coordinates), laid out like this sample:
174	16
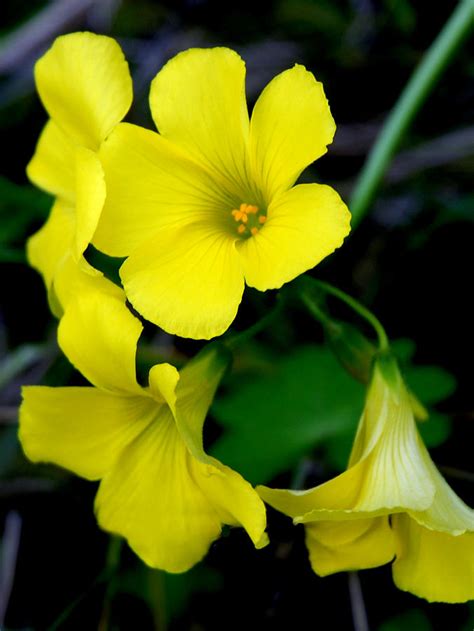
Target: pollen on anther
254	231
262	219
241	229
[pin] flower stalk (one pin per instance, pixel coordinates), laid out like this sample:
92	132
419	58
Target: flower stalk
412	98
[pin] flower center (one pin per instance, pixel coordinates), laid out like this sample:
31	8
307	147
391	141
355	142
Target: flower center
249	219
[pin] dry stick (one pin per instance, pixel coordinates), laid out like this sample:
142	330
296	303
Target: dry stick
52	20
11	544
409	103
359	614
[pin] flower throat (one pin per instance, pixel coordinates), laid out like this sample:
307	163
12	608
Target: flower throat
249	219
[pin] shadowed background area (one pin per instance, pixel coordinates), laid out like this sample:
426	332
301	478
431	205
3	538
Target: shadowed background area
287	409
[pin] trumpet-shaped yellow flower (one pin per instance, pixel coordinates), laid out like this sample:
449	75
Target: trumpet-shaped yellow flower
158	488
208	204
390	473
85	86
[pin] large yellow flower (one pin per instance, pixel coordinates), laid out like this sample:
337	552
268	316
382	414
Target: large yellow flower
429	531
209	202
158	488
84	83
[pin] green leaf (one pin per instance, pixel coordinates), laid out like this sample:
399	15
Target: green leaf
436	430
412	619
276	418
20	206
431	384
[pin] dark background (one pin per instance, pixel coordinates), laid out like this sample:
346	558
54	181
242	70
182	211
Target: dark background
409	261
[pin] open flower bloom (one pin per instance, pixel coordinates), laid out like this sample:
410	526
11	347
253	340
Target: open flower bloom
85	85
208	204
390	473
158	488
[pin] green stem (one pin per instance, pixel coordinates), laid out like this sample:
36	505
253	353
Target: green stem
410	101
237	339
310	303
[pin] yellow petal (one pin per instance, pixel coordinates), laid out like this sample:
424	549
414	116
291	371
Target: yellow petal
187	280
47	247
399	474
197	386
85	85
448	513
233	499
151	185
338	496
99	335
90	197
433	565
81	429
198	101
349	545
52	165
163	379
73	278
291	127
152	499
304	225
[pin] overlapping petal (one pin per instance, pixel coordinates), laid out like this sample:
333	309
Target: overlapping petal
188	281
47	247
72	278
349	545
81	429
291	127
99	336
52	167
85	85
197	386
198	101
158	487
390	473
90	198
150	498
151	185
448	513
433	565
304	225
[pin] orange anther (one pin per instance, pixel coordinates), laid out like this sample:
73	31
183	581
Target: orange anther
244	218
241	229
254	231
252	210
262	219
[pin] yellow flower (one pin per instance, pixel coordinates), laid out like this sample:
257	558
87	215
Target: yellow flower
158	488
390	473
209	203
85	86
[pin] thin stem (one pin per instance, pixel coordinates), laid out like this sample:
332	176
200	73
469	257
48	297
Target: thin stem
352	303
315	311
409	103
237	339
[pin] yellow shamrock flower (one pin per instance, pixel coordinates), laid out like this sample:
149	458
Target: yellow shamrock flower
209	203
158	488
84	83
390	473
